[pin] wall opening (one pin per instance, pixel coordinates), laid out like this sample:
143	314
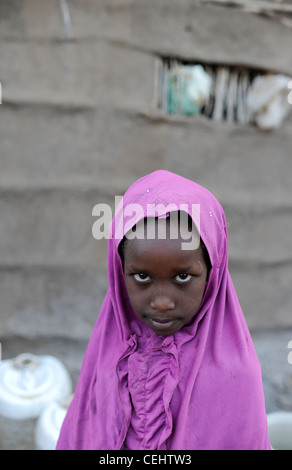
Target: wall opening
215	91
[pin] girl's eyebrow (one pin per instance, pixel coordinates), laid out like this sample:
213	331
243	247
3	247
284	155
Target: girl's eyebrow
143	269
185	268
134	268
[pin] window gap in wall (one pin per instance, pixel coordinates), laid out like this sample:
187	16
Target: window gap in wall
218	92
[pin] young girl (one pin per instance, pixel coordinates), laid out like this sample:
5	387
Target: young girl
170	364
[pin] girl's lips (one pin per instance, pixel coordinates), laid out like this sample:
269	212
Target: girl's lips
161	325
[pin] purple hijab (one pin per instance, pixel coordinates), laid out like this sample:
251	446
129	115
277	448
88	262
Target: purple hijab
200	388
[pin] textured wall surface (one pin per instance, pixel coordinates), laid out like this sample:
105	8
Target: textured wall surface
79	123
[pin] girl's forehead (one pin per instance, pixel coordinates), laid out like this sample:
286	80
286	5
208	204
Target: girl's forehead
174	227
170	251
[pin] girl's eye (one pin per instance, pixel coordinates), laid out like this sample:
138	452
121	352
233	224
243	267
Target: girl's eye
141	277
183	277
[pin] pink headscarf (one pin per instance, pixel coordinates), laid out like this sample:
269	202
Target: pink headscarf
200	388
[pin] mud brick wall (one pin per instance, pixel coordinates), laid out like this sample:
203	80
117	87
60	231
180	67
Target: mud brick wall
79	123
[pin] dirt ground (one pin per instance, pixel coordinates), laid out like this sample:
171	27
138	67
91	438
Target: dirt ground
271	346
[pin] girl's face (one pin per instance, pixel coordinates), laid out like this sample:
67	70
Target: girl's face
165	284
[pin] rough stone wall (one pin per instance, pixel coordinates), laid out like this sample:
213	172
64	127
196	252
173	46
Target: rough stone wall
79	123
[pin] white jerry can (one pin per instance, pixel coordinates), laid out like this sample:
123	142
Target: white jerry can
28	383
49	424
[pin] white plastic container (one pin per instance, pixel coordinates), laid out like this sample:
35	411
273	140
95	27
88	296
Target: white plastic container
49	424
280	430
29	382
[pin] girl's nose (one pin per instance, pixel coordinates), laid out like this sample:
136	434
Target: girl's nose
162	303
